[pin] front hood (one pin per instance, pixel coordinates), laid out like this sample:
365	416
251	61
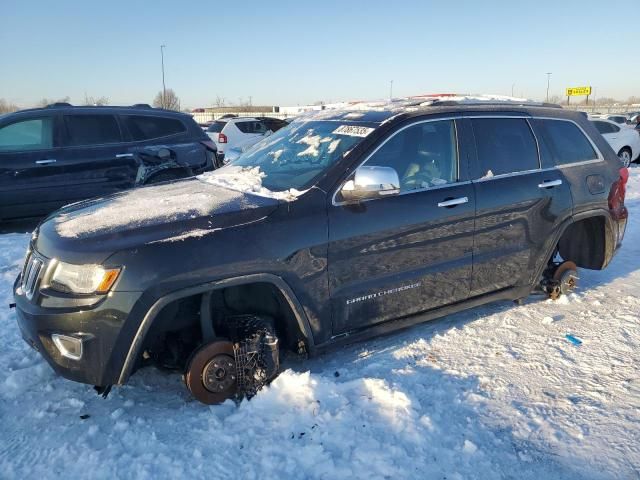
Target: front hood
89	231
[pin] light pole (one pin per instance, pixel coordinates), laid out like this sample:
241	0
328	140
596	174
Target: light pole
164	88
512	85
548	80
391	90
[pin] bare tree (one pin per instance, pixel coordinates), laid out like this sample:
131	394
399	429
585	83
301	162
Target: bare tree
96	101
555	99
220	101
606	101
7	107
168	101
47	101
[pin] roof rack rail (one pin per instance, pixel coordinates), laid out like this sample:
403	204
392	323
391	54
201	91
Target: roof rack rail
141	105
59	104
450	103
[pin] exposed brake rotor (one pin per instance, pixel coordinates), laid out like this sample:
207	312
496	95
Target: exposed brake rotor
567	277
211	372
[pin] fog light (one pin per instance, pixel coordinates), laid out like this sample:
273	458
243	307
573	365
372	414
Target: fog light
69	347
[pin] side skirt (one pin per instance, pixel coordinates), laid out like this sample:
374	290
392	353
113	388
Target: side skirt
391	326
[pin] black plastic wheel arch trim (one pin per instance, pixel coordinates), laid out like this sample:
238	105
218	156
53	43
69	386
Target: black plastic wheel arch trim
147	321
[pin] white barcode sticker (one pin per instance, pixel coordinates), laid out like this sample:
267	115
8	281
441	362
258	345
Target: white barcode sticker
353	130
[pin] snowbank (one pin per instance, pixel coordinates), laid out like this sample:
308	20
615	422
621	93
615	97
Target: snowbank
495	392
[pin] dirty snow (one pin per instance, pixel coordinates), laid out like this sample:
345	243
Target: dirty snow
246	180
494	392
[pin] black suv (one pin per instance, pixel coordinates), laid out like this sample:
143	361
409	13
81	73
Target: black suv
53	156
345	224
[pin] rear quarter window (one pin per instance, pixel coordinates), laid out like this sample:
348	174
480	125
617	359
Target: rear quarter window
567	142
148	128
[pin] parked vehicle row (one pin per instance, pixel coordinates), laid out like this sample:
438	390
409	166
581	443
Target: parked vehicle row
53	156
241	133
341	226
623	138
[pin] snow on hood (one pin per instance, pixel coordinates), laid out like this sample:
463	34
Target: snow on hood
140	207
246	180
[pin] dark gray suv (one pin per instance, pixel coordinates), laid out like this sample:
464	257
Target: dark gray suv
53	156
343	225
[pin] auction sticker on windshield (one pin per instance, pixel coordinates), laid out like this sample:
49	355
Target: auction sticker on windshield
353	130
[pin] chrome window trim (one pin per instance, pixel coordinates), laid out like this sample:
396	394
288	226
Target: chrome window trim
512	174
578	164
417	190
528	118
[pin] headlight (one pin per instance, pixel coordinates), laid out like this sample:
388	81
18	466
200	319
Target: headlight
83	278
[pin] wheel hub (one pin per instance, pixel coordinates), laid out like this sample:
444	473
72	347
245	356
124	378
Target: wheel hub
567	277
211	372
219	374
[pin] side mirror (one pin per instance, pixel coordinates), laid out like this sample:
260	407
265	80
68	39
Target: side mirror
371	182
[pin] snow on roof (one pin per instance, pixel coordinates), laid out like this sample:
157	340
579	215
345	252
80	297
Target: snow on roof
387	109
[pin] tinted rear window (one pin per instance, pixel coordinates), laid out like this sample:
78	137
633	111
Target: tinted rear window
604	127
85	130
251	127
147	128
216	127
505	145
567	142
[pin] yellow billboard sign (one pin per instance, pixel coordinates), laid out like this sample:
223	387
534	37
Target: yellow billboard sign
578	91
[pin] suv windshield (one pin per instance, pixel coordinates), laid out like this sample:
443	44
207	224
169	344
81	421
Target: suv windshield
295	156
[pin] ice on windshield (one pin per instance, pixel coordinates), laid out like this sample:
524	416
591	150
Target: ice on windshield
292	158
246	180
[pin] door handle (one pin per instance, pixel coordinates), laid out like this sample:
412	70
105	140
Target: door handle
124	155
453	202
550	183
45	162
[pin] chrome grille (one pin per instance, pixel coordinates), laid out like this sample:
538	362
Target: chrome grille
33	270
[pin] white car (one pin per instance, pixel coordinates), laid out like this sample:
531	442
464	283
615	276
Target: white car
620	118
240	132
624	139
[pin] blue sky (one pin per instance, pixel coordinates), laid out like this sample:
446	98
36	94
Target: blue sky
296	52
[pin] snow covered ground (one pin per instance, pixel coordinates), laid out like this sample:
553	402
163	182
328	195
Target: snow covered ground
494	392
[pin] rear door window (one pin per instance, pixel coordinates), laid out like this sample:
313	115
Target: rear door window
148	128
83	130
505	145
32	134
567	142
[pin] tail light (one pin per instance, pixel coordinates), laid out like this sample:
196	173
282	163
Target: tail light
222	138
617	194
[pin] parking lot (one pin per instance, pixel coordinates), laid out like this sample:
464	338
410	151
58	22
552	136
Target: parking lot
494	392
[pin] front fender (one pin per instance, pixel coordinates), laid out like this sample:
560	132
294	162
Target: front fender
158	304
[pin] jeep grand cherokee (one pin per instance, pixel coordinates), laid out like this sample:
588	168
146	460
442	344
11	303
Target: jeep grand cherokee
343	225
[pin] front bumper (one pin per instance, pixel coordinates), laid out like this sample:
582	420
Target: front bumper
105	329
